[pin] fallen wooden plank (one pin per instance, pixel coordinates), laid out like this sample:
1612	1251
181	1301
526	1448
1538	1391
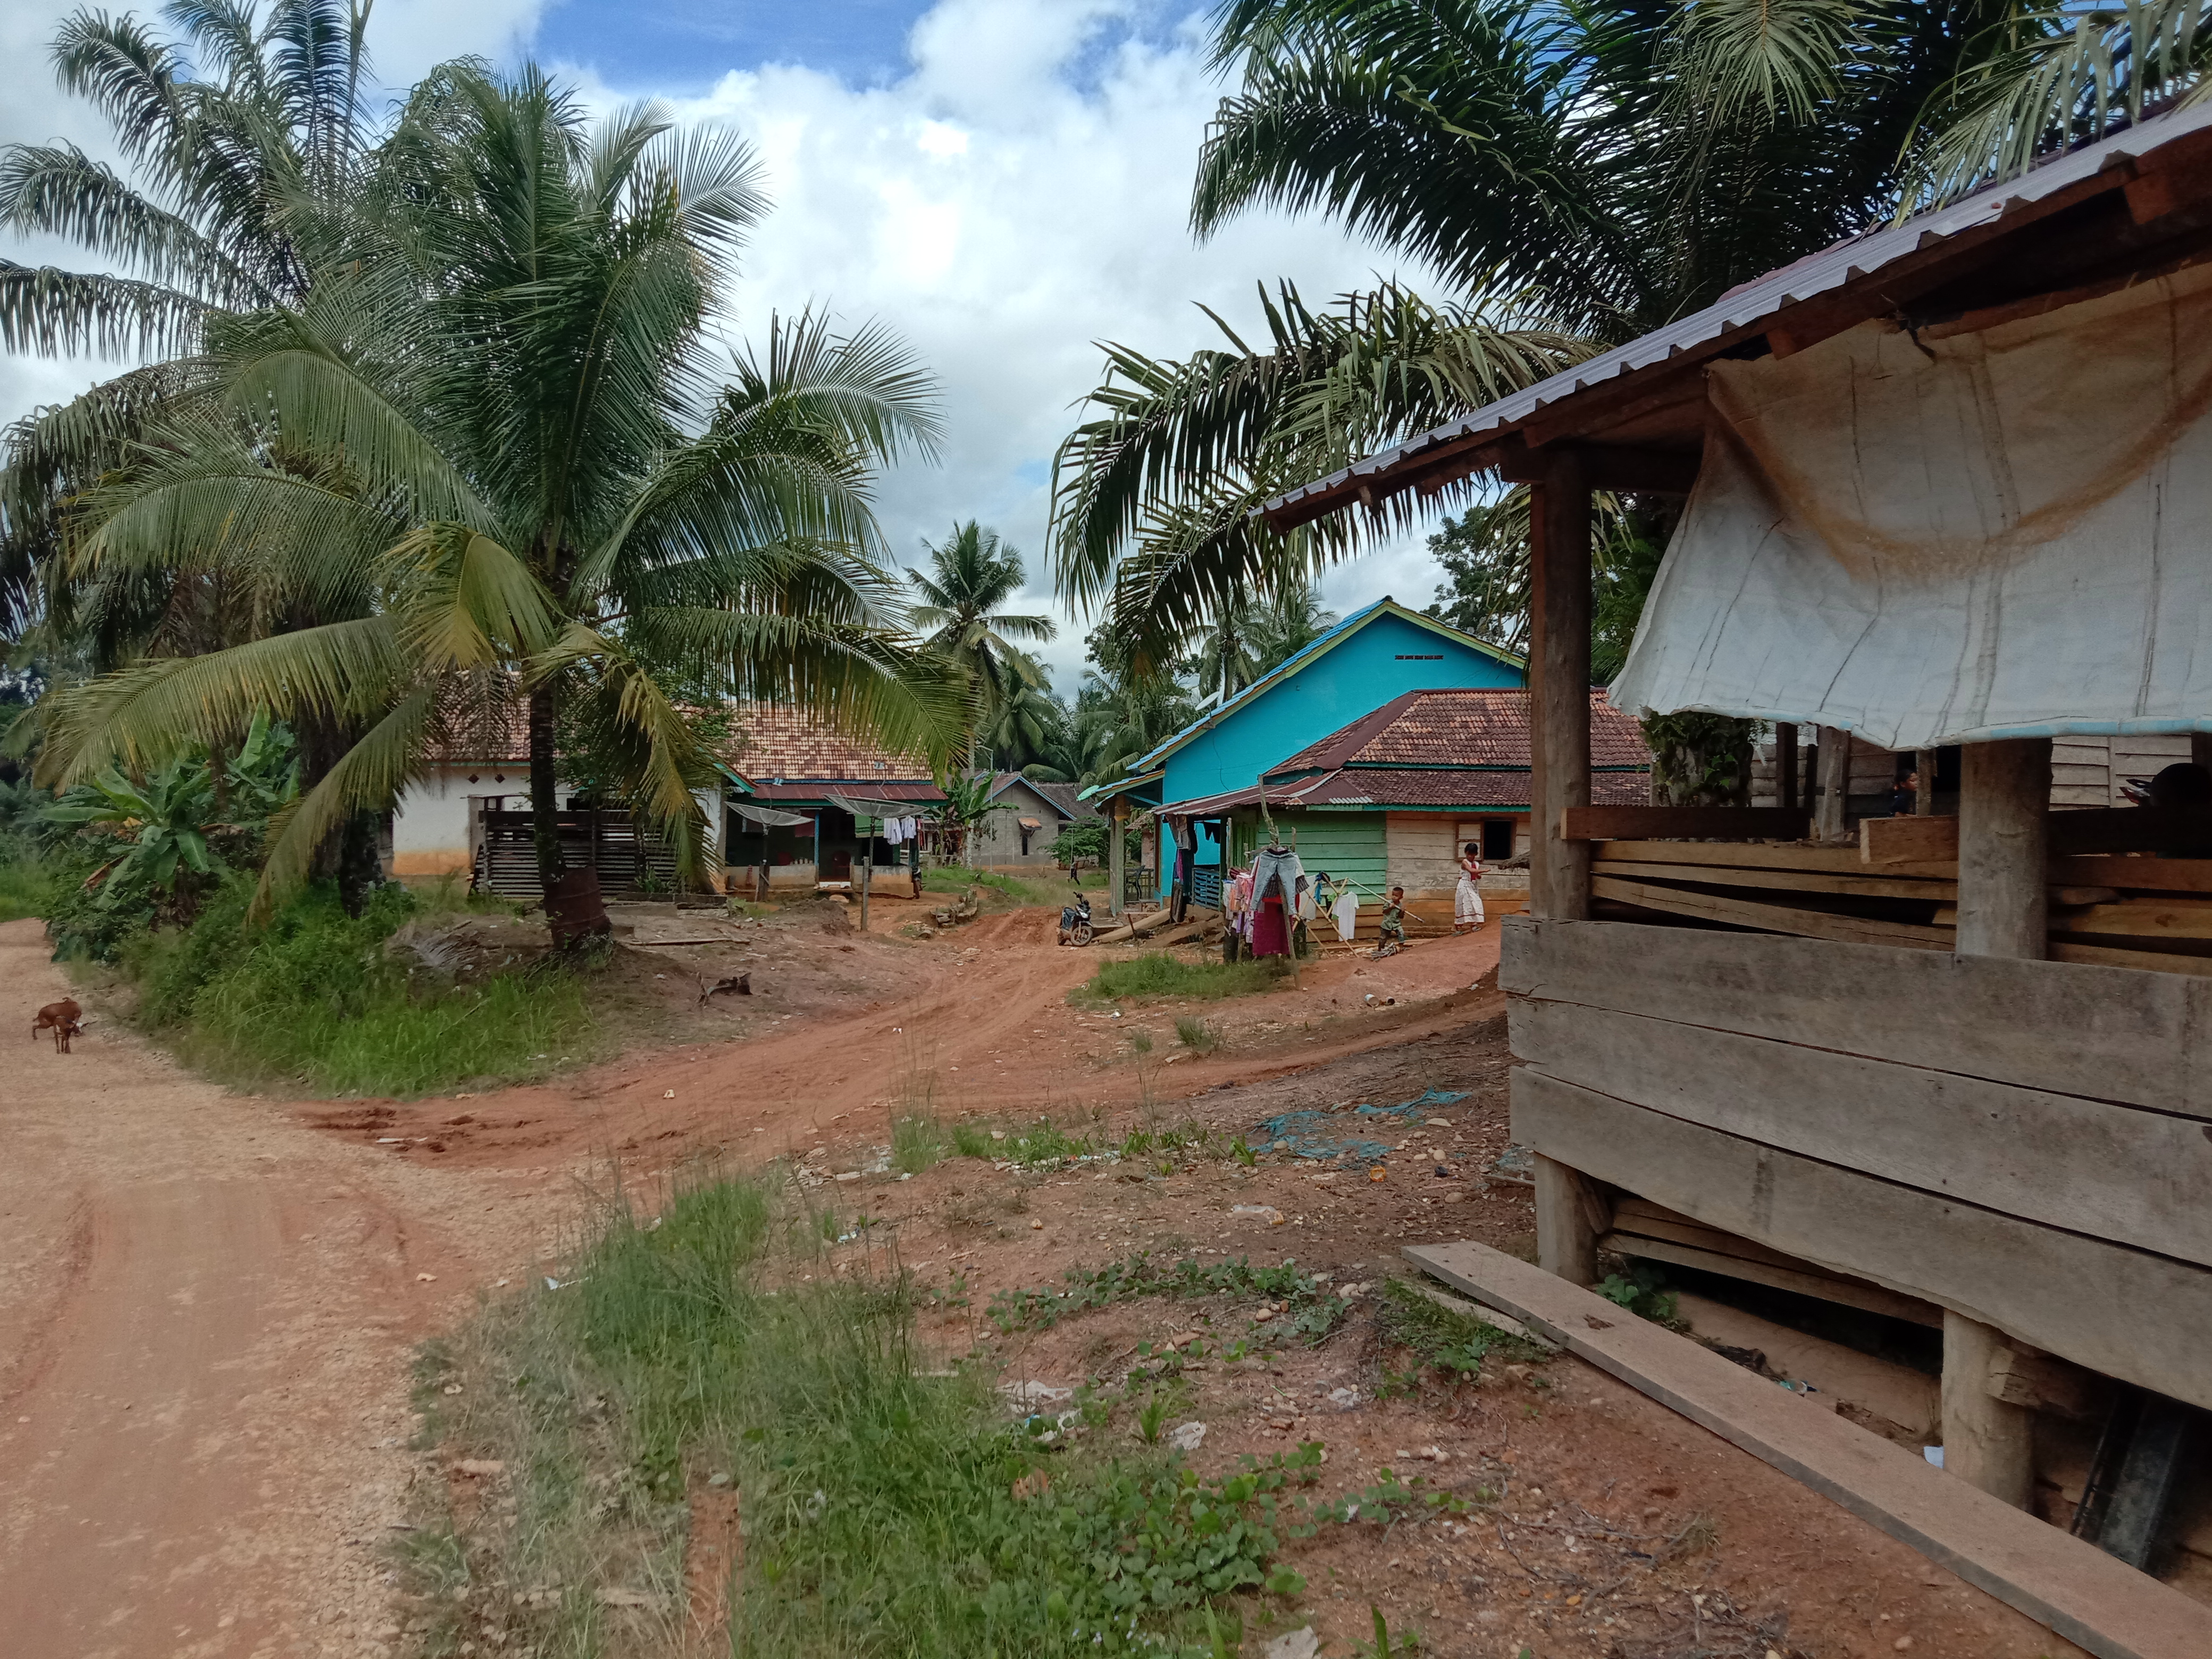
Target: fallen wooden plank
2080	1298
2140	918
1791	881
2099	1031
2071	1587
1696	823
1773	918
1827	1286
2110	1171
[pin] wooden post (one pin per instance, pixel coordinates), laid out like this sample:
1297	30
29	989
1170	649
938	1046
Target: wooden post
1115	857
1925	763
1785	763
1808	776
1559	664
2004	805
1567	1227
1831	806
868	869
1987	1441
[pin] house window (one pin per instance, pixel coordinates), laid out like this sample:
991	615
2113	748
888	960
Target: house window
1497	839
1437	656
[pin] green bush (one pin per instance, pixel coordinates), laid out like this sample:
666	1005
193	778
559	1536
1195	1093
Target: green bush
25	881
1159	974
311	998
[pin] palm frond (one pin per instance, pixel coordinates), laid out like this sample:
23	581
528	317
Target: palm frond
51	312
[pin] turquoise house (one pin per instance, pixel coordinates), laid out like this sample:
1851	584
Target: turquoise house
1366	660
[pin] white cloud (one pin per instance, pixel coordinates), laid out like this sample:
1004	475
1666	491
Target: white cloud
1021	192
1058	218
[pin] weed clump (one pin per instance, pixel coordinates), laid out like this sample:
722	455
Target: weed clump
889	1504
1310	1307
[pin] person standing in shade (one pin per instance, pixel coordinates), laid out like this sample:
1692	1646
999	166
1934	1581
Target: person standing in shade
1466	902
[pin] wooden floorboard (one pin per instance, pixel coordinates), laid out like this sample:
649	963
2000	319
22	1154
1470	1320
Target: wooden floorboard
2070	1586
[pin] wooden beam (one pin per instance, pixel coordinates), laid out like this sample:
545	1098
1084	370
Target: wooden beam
1987	1441
1794	856
2080	1298
1785	765
1690	822
2070	1586
2117	1173
1771	918
1908	841
1787	881
1832	801
1559	661
2105	1032
1804	1279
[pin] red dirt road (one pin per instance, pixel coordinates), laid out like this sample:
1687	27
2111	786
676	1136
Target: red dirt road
207	1307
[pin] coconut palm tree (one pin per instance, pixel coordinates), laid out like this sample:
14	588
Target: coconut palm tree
225	133
496	409
1287	624
972	575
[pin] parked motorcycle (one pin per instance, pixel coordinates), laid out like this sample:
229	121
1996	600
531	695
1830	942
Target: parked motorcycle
1075	921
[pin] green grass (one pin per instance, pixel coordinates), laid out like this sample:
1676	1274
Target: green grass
917	1142
1452	1342
890	1504
25	889
311	1000
1159	974
1196	1035
1055	890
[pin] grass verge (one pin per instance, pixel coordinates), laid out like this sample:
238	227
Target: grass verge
311	1000
891	1503
25	889
1159	974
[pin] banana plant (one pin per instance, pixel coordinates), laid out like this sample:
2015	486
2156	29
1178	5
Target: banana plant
168	821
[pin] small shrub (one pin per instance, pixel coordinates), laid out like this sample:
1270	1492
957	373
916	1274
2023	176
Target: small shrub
1141	1042
970	1141
917	1143
1196	1035
1641	1291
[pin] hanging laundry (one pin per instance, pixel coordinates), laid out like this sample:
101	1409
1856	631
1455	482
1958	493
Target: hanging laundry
891	827
1348	916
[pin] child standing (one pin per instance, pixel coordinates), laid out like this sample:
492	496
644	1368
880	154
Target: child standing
1391	935
1466	902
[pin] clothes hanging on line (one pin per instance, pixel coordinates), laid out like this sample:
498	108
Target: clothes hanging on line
892	828
1346	912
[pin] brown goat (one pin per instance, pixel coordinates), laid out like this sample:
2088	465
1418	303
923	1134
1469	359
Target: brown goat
65	1019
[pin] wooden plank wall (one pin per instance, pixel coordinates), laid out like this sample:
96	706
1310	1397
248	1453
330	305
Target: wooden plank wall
2085	771
2027	1143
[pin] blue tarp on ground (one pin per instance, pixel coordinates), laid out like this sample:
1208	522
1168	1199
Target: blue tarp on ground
1319	1135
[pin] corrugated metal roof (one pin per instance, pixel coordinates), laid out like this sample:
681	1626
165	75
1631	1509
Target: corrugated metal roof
1819	273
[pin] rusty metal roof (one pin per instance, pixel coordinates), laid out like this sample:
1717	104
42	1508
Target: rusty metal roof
1742	308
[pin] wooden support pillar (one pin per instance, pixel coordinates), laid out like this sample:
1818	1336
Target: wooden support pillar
1925	763
1987	1441
2200	748
1570	1220
1785	764
1115	857
2004	804
1558	667
1831	803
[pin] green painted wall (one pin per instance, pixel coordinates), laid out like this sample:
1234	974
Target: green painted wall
1350	846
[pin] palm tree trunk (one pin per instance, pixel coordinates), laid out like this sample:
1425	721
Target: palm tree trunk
545	820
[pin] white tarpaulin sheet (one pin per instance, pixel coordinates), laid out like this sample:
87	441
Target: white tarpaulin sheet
2002	533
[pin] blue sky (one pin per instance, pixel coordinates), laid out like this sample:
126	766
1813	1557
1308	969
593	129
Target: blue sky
1004	182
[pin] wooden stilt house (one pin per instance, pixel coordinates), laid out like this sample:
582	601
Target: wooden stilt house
1945	491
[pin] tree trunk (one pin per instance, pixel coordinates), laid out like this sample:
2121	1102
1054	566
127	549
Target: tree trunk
361	873
544	820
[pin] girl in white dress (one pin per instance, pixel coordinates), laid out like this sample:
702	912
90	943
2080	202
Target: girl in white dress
1466	902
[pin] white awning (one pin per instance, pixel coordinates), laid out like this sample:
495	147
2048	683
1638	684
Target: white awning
1953	538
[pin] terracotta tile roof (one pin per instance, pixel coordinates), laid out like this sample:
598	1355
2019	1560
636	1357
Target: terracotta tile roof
1379	786
1068	796
770	741
1461	728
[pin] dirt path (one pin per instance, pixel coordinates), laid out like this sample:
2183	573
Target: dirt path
208	1308
205	1319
